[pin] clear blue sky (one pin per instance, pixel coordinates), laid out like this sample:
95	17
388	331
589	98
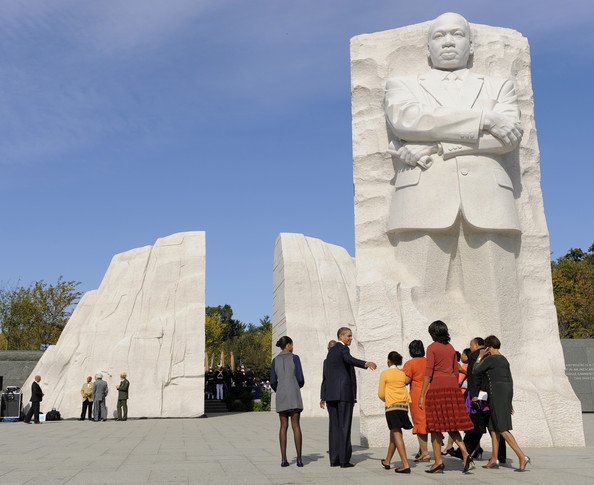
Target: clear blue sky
123	121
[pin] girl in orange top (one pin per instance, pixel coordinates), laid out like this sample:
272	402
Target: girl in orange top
392	390
415	370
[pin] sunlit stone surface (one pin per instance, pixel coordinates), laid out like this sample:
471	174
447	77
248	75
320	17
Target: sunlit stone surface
146	318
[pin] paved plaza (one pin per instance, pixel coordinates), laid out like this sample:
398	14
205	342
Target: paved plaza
234	449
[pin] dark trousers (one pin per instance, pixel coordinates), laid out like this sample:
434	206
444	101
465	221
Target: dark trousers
33	411
87	405
472	438
122	409
341	419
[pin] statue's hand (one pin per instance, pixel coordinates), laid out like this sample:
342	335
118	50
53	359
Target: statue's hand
417	154
501	127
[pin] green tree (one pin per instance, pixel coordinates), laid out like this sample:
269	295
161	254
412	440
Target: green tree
224	313
573	287
254	347
213	329
36	314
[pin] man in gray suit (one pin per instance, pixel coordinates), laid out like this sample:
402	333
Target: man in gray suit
99	394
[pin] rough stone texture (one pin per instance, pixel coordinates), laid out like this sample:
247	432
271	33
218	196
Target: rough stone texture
547	410
16	365
146	318
313	295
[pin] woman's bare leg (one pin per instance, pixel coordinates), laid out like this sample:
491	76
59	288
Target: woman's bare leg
494	447
399	442
391	449
422	438
436	444
511	441
455	436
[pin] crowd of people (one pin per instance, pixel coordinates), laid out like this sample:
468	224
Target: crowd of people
223	382
445	391
94	397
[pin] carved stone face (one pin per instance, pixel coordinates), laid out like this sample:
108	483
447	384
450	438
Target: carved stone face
449	42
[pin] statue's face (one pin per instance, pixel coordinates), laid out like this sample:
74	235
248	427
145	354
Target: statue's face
449	42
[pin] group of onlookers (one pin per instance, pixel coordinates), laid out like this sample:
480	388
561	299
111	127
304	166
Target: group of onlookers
94	395
445	391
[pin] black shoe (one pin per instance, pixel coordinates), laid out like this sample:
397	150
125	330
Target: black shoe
347	465
104	420
81	419
402	470
299	462
387	467
468	463
440	468
334	464
284	463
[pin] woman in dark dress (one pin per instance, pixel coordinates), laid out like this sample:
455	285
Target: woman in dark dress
444	404
494	368
286	379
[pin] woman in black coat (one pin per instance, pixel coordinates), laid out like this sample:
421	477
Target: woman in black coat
495	372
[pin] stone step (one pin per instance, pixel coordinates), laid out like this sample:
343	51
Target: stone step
212	406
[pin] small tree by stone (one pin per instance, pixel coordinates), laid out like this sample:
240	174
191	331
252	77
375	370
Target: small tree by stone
36	314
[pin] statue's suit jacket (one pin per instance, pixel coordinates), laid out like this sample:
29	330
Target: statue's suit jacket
467	175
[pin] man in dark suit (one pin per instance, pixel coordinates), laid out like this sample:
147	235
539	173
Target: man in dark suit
331	344
339	391
36	398
123	397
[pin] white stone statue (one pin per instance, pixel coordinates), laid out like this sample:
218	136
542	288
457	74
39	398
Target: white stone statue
449	219
453	218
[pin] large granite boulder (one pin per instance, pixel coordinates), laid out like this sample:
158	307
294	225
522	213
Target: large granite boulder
147	319
313	296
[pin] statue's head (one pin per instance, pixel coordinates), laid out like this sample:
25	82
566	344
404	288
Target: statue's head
449	44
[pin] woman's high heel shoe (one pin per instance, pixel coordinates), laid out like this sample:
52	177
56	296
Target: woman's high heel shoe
492	465
402	470
523	466
423	459
299	462
468	463
386	467
439	468
284	463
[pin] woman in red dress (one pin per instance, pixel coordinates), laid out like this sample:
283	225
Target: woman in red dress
444	405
